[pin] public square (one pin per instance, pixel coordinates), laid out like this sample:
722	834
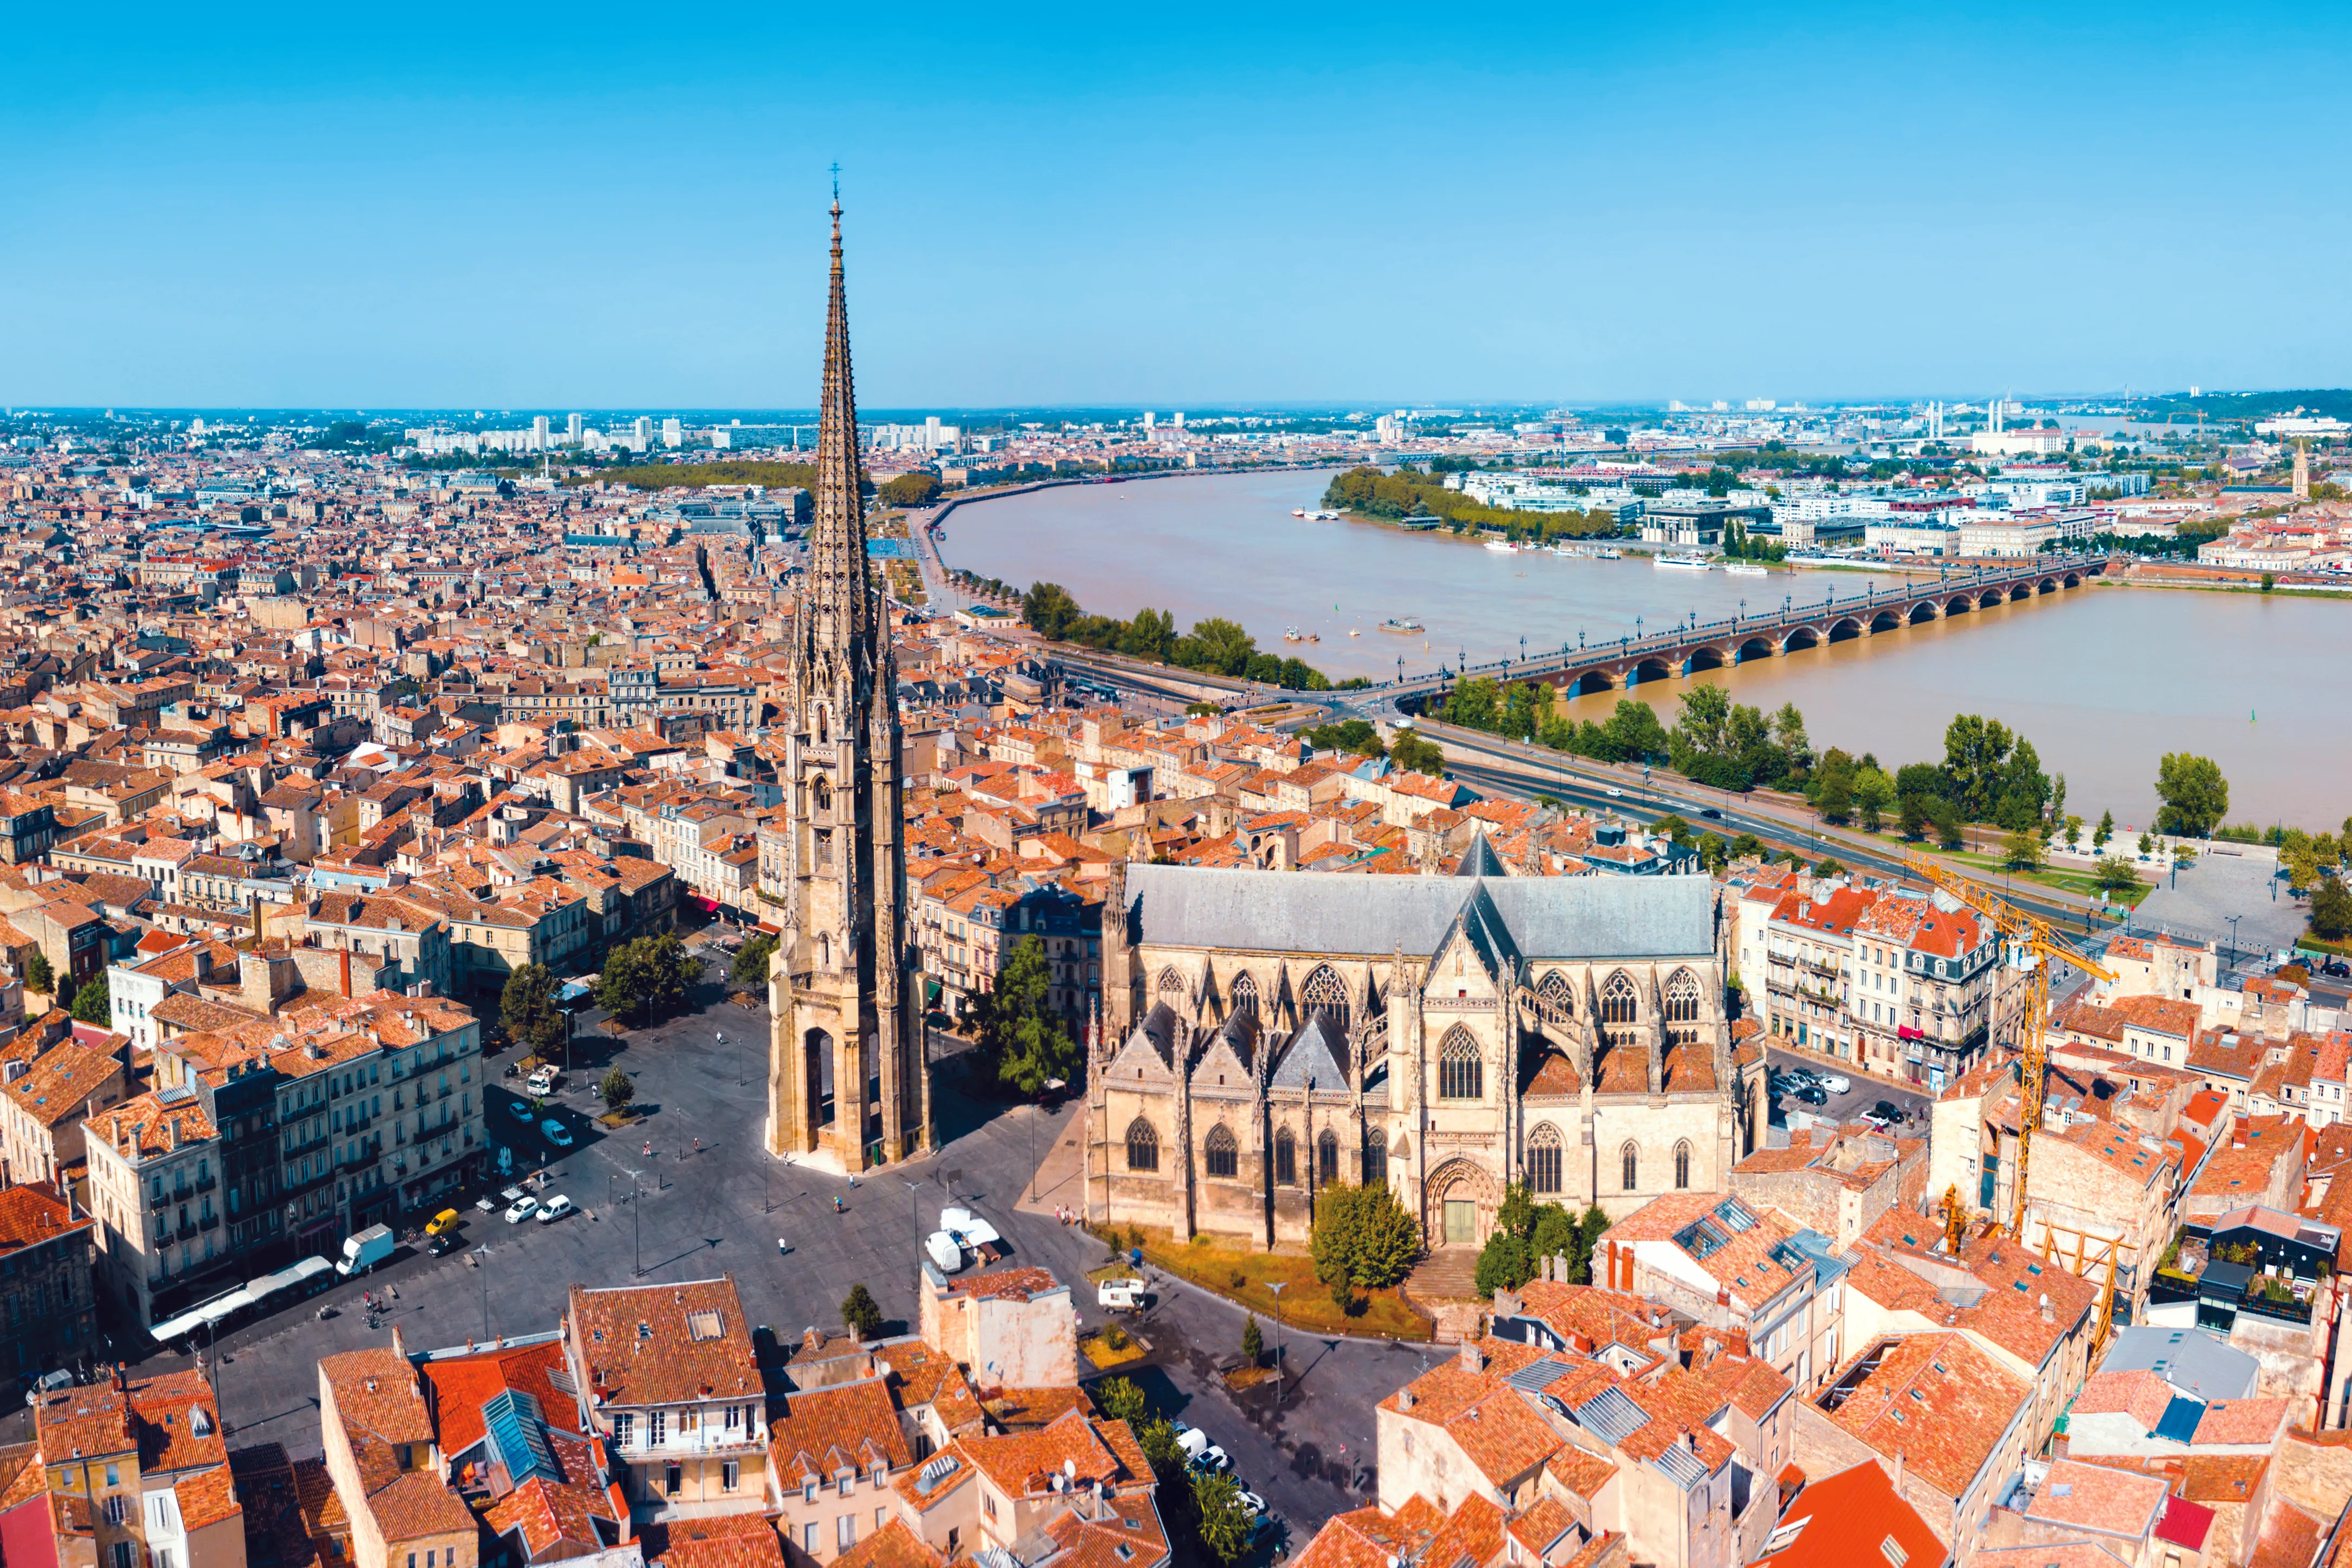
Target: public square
723	1207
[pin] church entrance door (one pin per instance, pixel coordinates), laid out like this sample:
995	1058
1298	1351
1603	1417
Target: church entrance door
1461	1223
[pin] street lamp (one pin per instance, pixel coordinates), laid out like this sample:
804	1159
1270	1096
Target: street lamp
2233	938
721	1035
1275	1286
914	1214
636	1225
484	1251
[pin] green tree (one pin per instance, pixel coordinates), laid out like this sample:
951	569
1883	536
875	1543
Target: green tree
1833	786
1829	865
1019	1030
2022	851
2331	908
94	1004
919	487
1504	1263
619	1088
1413	753
1253	1341
2074	832
1217	645
1516	1212
1225	1524
2114	874
1593	1225
751	965
1162	1451
649	975
2194	792
1976	756
1362	1236
860	1315
1555	1232
1946	818
1354	736
1873	791
1634	733
1049	610
37	975
527	1008
2105	831
1119	1399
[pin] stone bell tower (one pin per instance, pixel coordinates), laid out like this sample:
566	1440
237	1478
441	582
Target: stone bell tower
849	1078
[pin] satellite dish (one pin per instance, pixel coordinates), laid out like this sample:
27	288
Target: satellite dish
1070	1468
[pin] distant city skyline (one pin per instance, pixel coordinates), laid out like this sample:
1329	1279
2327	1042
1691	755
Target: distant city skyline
1568	204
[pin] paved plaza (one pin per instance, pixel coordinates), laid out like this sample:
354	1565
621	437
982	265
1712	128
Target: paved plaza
721	1209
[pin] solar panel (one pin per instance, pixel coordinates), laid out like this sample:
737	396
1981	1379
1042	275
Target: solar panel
518	1436
2180	1419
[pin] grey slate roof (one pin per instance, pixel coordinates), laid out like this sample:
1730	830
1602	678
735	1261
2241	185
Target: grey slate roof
2191	1360
1546	917
1311	1055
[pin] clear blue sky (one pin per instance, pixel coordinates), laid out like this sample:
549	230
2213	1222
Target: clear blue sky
575	205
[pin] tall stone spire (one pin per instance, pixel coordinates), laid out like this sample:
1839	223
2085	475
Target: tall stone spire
849	1082
840	598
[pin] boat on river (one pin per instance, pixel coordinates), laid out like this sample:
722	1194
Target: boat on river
1681	562
1403	624
1745	569
1503	545
1610	552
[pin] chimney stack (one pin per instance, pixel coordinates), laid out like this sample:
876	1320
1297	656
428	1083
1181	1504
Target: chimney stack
1472	1359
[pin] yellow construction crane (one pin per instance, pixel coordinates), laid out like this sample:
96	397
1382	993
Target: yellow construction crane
2031	946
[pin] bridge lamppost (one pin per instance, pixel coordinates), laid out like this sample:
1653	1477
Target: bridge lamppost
1785	600
1637	627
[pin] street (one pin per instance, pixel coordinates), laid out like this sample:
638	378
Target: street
1864	1093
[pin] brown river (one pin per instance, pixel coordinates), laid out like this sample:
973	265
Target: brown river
2102	679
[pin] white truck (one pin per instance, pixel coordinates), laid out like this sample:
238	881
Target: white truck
962	1236
364	1250
1122	1295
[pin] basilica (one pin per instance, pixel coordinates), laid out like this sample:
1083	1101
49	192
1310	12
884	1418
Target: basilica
1267	1034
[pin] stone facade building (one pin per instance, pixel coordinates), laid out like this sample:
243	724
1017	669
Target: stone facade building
1267	1034
848	1079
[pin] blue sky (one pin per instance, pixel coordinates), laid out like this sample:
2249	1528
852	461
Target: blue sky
623	206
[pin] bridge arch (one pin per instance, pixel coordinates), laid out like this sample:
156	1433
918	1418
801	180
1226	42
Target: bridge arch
2072	579
1585	682
1960	605
1926	610
1653	668
1989	597
1755	647
1802	637
1706	656
1887	620
1845	628
2020	591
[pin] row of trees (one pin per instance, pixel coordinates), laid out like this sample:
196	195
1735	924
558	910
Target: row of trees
920	487
1214	644
1410	492
1527	1232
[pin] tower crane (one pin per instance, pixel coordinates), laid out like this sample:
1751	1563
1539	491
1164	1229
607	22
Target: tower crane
2031	946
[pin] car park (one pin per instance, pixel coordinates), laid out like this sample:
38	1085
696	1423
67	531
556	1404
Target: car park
1199	1452
521	1209
554	1209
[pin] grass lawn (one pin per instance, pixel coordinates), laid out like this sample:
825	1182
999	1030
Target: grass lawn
1098	1350
1215	1264
2081	882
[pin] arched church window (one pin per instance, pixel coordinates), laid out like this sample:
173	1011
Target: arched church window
1326	996
1461	1072
1243	994
1285	1159
1172	986
1544	1159
1682	998
1558	995
1630	1158
820	793
1618	1000
1682	1165
1327	1157
1142	1145
1376	1162
1224	1159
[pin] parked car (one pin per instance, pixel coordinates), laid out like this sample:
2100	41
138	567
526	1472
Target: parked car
1836	1083
1121	1295
554	1209
1891	1111
1199	1452
555	1132
47	1383
1812	1094
542	1082
1253	1502
446	1220
521	1209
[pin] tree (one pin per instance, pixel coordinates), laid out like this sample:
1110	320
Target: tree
1226	1525
1976	754
1120	1399
2147	841
94	1004
1019	1030
2194	792
2074	832
919	488
2105	831
527	1008
1217	645
2331	908
1416	754
1362	1236
1829	865
751	965
1253	1341
1049	610
1503	1263
859	1313
2114	875
619	1088
649	976
37	975
1911	816
1833	786
1162	1451
2022	851
1593	1224
1946	818
1873	791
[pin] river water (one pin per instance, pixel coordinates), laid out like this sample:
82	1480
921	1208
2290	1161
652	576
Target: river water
2103	680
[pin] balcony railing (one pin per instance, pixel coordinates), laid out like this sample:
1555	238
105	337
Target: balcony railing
709	1440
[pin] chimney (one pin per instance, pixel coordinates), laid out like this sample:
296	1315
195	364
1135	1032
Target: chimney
1472	1359
1898	1472
2048	1314
345	955
1404	1398
172	1133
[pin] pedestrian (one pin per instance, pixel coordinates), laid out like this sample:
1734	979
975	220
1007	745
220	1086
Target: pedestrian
782	1248
697	1145
649	1148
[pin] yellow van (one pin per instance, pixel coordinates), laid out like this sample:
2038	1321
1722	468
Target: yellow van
442	1223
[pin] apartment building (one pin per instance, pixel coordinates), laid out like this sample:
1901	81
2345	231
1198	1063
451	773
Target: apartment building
669	1381
381	1453
138	1476
48	1301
